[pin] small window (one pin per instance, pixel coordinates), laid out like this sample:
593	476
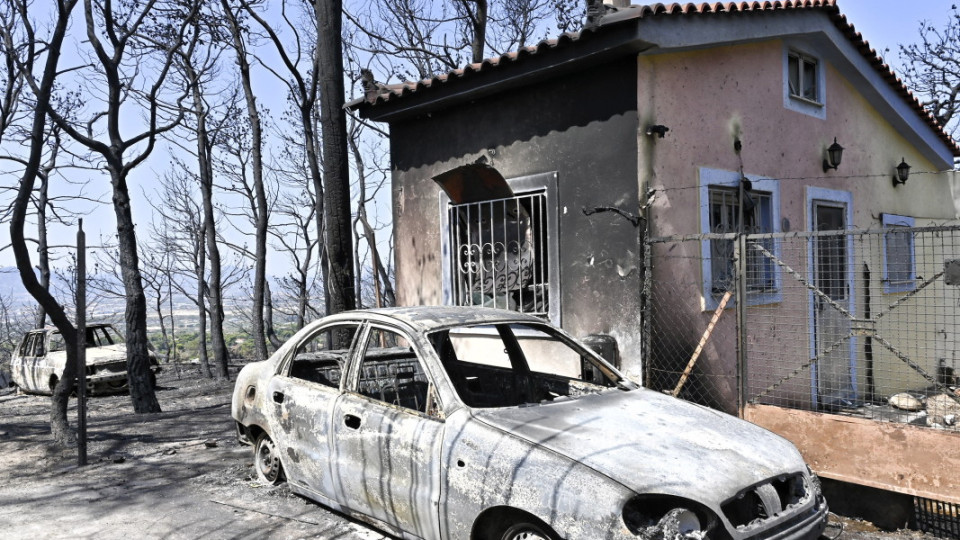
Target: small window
501	251
56	343
720	214
899	261
319	359
804	77
499	256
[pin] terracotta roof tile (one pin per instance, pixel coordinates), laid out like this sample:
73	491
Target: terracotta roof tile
397	91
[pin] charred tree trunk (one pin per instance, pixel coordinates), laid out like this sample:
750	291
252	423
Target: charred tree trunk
268	318
335	170
202	309
135	316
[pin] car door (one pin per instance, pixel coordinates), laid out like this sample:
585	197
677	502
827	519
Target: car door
387	435
19	364
302	395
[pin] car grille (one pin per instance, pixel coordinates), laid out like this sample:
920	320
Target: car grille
112	367
753	507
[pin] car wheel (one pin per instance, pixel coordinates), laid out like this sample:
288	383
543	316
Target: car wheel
524	531
266	460
53	383
153	380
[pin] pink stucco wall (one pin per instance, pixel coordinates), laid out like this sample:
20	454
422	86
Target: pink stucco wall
709	99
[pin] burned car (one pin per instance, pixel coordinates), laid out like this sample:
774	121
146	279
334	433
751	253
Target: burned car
479	423
38	362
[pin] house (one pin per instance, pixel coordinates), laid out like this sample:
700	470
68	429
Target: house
578	178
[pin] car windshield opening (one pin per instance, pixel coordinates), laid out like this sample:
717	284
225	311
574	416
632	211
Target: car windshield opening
511	364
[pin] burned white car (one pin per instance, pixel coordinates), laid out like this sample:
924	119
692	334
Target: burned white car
38	362
456	423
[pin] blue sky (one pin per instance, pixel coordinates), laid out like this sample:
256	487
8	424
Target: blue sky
884	24
889	23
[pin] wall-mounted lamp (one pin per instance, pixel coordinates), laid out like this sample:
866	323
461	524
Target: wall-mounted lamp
903	172
657	129
834	154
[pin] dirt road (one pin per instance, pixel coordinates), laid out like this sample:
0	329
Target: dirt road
176	474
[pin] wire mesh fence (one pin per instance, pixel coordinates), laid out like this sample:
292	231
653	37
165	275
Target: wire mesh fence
862	323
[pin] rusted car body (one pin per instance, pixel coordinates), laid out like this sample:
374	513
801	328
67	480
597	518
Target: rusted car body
449	423
38	362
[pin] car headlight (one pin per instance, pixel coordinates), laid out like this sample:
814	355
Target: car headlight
667	518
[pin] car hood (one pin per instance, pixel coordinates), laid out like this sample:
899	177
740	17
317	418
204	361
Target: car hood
653	443
106	354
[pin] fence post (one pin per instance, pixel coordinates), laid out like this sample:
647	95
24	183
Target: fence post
741	305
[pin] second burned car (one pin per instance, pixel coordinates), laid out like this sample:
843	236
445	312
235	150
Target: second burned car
38	362
450	423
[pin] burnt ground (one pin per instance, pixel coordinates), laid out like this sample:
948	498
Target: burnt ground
175	474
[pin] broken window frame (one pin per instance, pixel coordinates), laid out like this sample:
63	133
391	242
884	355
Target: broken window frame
763	286
804	84
541	187
899	267
804	92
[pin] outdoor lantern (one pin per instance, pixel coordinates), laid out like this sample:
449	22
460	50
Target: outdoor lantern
903	172
834	154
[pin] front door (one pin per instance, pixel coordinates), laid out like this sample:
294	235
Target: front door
831	326
303	394
387	438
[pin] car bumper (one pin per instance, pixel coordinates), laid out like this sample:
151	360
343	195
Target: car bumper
807	527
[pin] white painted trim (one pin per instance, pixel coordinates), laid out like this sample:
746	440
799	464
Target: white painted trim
844	198
797	104
898	221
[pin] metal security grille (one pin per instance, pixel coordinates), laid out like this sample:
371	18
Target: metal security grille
500	254
941	519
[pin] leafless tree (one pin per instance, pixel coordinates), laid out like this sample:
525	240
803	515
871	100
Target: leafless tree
125	37
199	68
42	90
182	234
932	69
239	38
382	281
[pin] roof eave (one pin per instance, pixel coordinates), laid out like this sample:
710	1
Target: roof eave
590	49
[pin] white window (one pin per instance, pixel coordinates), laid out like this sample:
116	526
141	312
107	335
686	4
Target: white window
899	262
804	83
803	80
502	253
720	213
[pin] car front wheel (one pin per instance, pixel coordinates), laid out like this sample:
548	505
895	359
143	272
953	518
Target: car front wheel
524	531
267	461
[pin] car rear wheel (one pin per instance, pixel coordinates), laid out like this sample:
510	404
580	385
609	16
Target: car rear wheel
267	461
53	383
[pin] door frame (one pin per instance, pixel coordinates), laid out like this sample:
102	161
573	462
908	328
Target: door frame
843	199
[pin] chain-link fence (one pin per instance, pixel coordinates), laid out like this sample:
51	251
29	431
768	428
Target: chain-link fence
863	323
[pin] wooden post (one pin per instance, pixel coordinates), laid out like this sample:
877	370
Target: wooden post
81	346
703	341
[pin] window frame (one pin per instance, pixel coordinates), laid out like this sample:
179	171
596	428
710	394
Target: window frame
711	179
889	223
798	102
350	382
521	186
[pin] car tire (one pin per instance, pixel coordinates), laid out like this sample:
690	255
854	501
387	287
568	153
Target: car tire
525	531
153	381
53	383
266	460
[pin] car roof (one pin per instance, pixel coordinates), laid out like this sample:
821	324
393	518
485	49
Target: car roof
49	329
430	318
